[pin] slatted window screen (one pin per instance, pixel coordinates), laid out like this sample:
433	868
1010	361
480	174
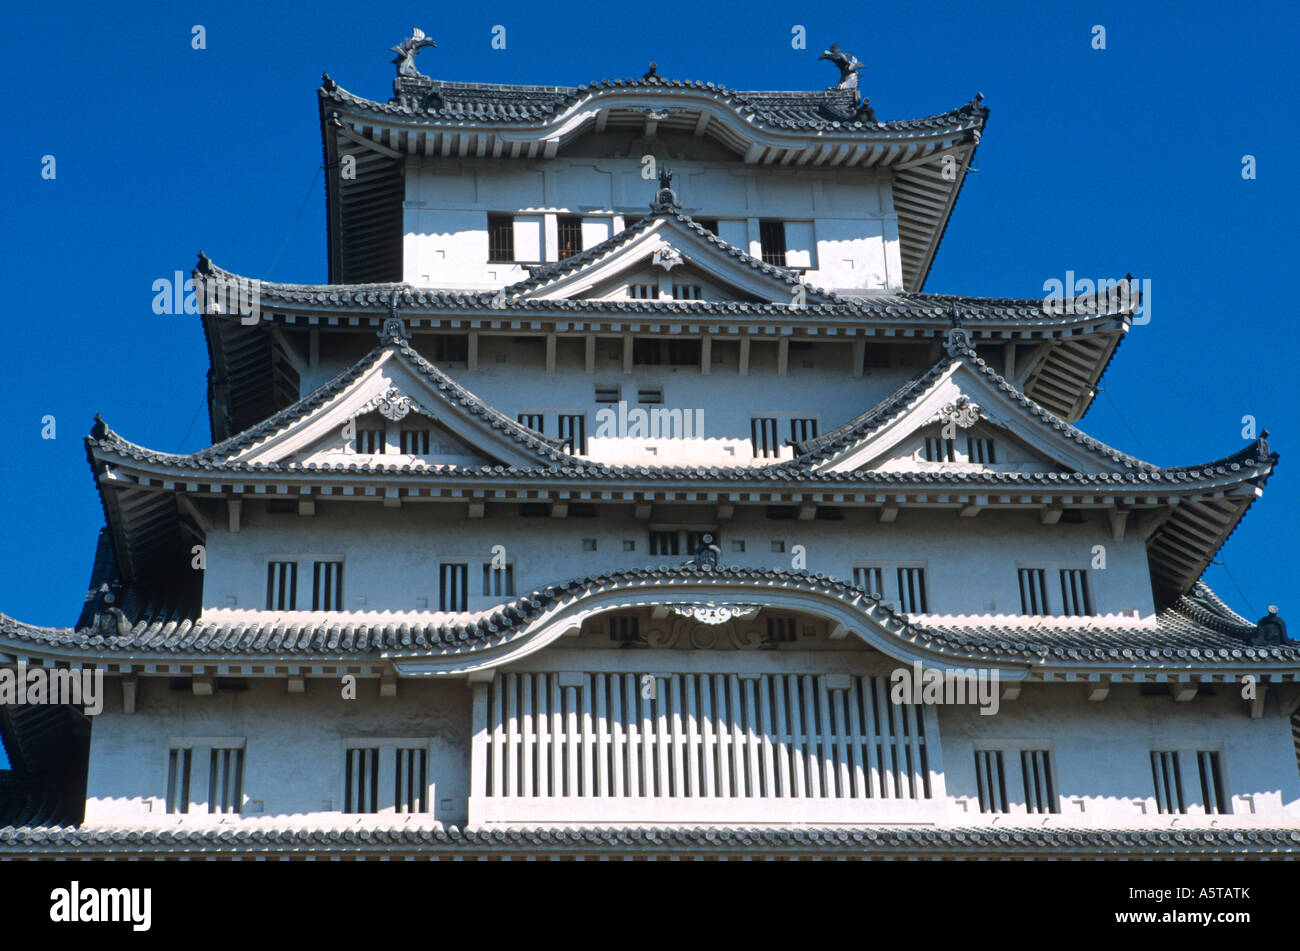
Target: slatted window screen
282	586
498	582
762	436
802	429
1213	791
453	582
1040	790
573	430
939	450
687	292
642	291
1033	590
361	780
665	543
990	779
226	780
1076	598
411	780
370	441
979	449
870	580
1168	781
703	736
327	586
911	591
179	762
532	421
415	442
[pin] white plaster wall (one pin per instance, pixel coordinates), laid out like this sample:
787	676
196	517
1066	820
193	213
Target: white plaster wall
1101	751
391	556
294	759
853	225
818	384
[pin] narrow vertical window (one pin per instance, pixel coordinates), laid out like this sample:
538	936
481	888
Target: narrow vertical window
327	586
1076	599
990	781
1040	791
282	586
1213	789
452	587
911	590
501	238
179	762
226	780
1033	591
803	429
533	421
762	437
1168	781
361	780
938	449
415	442
771	235
411	781
569	235
573	430
498	582
870	580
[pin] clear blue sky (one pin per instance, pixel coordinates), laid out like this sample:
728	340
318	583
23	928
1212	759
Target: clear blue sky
1101	162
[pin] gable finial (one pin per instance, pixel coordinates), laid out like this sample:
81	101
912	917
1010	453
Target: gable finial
956	341
652	72
406	50
665	198
849	66
394	329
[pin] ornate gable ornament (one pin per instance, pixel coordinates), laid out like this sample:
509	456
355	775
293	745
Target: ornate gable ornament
394	404
712	614
961	411
666	257
665	198
394	329
956	341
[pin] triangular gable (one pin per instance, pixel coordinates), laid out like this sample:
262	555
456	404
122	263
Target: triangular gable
663	242
961	396
395	383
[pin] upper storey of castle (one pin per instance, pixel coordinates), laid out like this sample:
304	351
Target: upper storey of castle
472	186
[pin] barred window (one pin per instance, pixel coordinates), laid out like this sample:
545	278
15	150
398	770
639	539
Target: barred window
687	292
911	590
573	430
980	450
771	236
226	780
327	586
1168	781
780	630
282	586
650	395
370	440
870	580
452	584
643	291
498	582
665	543
803	429
415	442
1076	599
570	235
179	762
608	393
1040	790
1213	789
1033	590
938	449
361	780
762	437
411	780
501	237
991	781
532	421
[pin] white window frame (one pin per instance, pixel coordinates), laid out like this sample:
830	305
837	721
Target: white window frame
200	772
388	746
1013	763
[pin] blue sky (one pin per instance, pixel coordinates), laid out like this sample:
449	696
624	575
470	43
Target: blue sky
1100	162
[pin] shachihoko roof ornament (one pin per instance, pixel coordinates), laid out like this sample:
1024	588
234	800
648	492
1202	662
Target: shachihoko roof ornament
407	50
849	67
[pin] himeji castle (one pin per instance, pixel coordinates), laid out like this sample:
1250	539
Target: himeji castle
625	494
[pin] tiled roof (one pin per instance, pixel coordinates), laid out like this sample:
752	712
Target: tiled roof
884	307
546	449
826	110
1179	636
860	841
